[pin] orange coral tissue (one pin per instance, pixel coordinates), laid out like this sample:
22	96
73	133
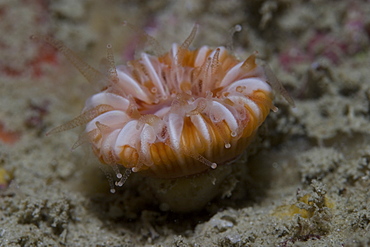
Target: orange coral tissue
178	114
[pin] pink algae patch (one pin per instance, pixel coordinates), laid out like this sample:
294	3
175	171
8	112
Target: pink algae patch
8	137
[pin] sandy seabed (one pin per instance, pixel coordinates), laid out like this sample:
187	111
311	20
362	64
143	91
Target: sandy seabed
305	183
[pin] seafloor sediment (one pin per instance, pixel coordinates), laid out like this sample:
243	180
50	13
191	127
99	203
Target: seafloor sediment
308	178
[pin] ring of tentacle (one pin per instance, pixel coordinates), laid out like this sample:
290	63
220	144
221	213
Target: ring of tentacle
174	115
179	114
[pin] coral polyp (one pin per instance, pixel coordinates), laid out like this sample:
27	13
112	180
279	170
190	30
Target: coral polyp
177	114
